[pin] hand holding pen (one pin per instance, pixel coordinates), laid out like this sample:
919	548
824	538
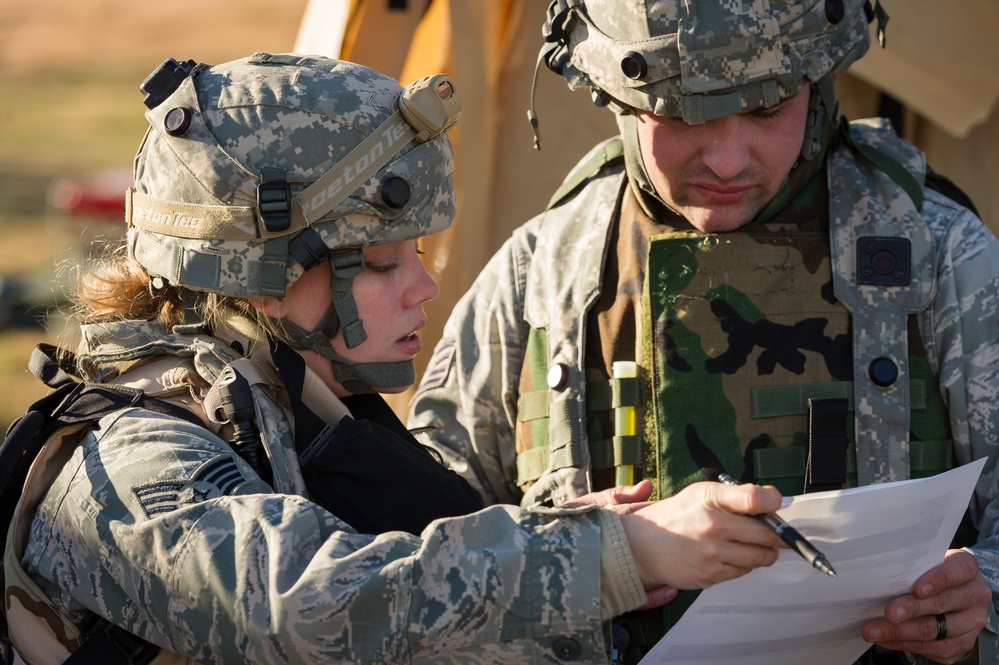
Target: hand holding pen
790	535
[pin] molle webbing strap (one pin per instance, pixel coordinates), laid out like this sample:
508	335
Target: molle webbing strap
604	453
926	458
776	401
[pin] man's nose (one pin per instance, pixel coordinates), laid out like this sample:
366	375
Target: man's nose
726	151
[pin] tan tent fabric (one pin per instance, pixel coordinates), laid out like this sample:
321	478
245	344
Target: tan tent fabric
940	62
490	49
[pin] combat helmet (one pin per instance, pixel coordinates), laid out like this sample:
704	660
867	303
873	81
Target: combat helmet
703	59
253	171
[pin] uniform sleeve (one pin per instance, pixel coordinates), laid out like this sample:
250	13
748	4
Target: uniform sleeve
963	322
467	398
159	527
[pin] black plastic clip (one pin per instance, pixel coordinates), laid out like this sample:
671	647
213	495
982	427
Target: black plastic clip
553	29
164	80
347	264
274	200
308	248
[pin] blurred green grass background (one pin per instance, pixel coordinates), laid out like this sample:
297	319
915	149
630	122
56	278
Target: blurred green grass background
70	108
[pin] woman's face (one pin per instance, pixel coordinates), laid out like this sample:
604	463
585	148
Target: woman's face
389	293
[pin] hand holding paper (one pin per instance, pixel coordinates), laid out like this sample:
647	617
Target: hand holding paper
883	539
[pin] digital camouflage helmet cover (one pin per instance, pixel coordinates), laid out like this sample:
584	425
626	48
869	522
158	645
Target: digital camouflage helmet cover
256	170
699	60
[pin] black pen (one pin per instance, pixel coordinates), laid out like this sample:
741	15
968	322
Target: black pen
789	535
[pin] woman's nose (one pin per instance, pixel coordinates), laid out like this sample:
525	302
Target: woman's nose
424	287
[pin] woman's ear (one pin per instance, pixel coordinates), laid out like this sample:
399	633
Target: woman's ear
271	306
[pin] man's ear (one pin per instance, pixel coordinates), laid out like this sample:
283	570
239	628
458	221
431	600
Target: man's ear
271	306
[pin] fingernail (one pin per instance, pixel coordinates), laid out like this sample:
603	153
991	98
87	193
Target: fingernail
899	614
874	635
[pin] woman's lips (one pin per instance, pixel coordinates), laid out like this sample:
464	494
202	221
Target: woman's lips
411	343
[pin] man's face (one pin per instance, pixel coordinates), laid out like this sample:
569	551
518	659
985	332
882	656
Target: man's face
721	173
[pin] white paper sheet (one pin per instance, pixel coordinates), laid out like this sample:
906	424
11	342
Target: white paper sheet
879	538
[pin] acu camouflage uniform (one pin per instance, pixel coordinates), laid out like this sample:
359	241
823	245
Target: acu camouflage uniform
157	525
549	277
737	335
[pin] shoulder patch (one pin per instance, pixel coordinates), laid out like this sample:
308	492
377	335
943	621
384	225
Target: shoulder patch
219	476
437	371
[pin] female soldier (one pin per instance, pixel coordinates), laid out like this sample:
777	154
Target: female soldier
255	501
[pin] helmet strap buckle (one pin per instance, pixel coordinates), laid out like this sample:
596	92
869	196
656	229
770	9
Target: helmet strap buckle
274	200
812	143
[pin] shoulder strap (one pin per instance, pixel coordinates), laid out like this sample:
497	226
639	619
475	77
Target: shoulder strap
603	154
944	185
72	402
886	164
886	175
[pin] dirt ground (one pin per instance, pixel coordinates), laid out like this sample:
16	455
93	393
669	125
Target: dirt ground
70	108
52	33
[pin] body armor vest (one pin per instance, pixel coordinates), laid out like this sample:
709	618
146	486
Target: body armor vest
786	353
766	350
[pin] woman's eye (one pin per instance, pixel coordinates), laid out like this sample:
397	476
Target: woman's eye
381	267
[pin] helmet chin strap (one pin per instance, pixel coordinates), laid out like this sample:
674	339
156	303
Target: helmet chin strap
358	378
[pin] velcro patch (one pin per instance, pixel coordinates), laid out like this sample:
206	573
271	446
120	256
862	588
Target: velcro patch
436	373
217	477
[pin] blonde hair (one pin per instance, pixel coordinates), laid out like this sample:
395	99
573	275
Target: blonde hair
115	287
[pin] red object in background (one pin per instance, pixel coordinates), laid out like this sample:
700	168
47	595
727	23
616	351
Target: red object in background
103	196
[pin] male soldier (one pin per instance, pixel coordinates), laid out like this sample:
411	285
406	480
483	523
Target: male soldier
224	485
807	310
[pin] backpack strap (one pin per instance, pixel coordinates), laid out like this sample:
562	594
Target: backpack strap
874	222
72	403
604	153
111	644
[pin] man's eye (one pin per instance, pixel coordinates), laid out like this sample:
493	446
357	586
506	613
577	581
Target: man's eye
770	113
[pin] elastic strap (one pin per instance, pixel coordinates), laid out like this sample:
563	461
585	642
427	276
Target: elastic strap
825	468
